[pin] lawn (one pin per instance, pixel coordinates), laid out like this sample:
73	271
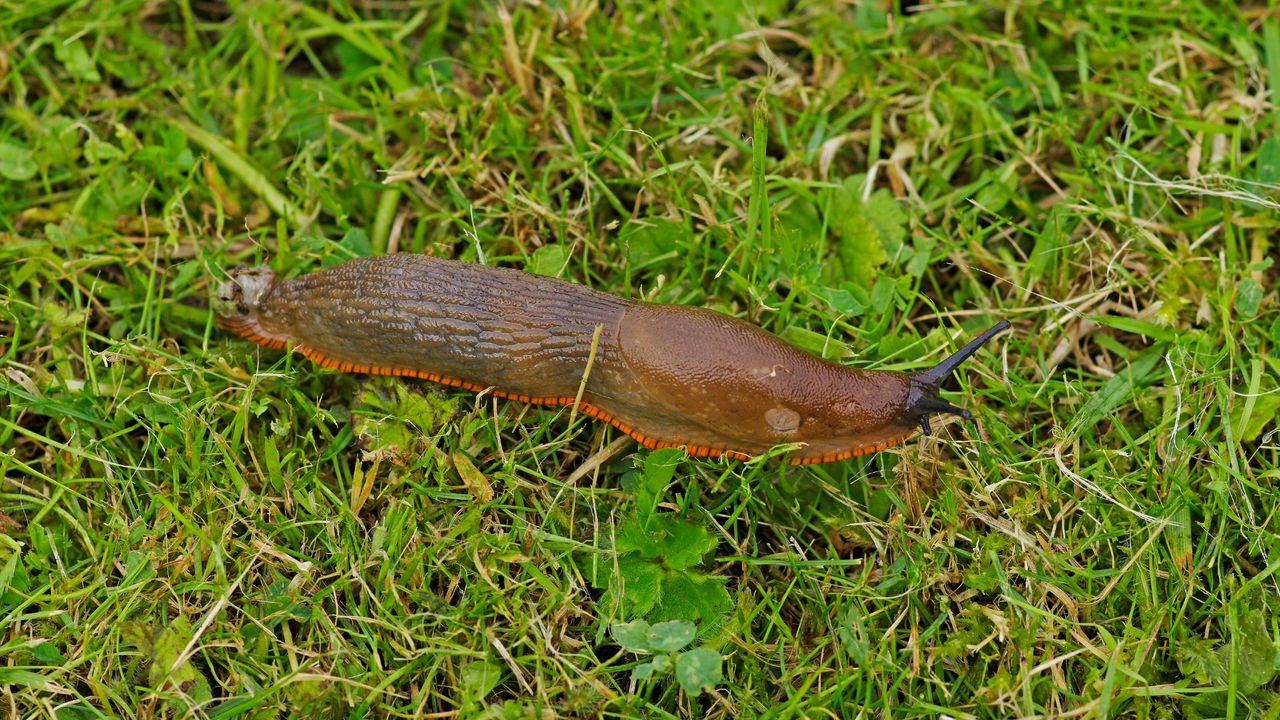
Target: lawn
195	526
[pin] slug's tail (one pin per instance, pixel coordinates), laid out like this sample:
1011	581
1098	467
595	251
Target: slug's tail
237	301
923	399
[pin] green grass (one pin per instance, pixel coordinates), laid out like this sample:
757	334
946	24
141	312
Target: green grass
191	526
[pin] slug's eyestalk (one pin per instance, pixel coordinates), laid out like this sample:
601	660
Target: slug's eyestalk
922	396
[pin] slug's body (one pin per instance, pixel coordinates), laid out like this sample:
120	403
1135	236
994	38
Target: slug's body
668	375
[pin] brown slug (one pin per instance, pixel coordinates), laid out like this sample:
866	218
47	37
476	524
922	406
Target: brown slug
667	375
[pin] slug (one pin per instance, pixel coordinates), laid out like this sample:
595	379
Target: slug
667	375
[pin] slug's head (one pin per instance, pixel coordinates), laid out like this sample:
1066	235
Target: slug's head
238	299
922	394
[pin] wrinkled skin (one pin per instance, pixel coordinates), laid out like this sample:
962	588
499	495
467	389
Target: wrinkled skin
667	375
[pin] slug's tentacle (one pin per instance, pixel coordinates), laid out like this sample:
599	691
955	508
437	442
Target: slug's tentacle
922	397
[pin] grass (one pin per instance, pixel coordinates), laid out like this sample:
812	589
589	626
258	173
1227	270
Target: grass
193	527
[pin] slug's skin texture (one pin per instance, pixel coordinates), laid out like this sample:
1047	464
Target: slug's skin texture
668	375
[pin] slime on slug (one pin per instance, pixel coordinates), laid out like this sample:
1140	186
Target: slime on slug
667	375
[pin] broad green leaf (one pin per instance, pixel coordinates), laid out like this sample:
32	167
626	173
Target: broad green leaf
644	671
853	635
477	484
631	538
998	187
1116	390
699	670
890	222
1199	662
633	636
881	296
1265	408
1248	297
649	241
61	142
868	232
671	635
47	653
637	584
392	418
840	299
907	344
100	151
23	678
982	576
479	678
801	242
81	409
688	595
16	162
75	57
880	503
356	242
920	257
165	648
548	260
659	468
1209	663
138	635
1255	653
1267	166
677	543
278	603
139	567
63	317
683	543
659	664
353	60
